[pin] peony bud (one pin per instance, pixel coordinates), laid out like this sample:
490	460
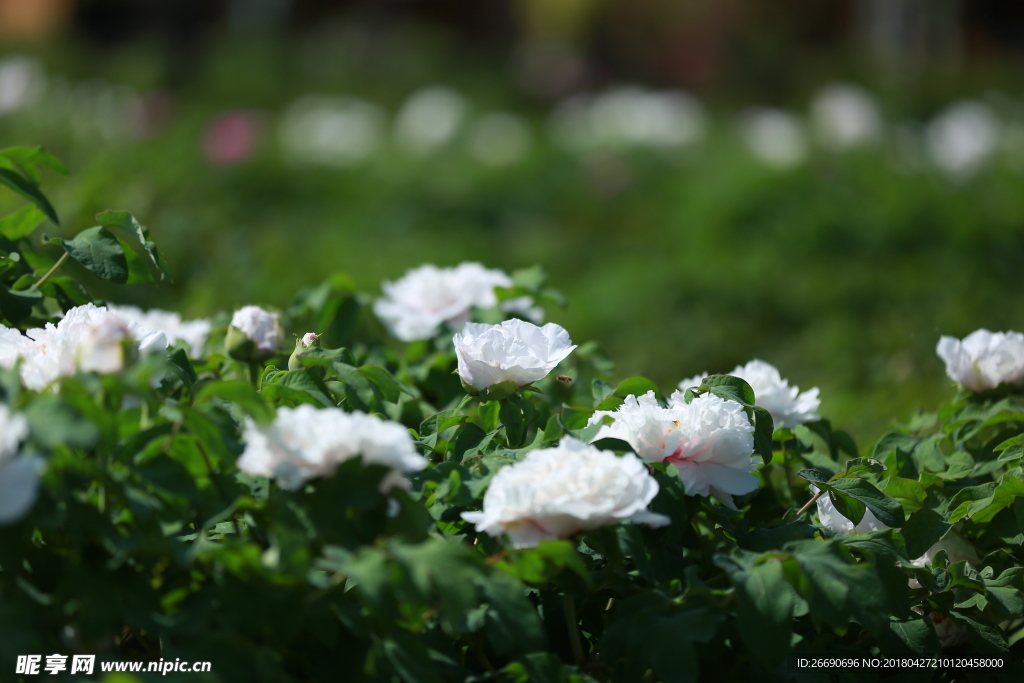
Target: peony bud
306	341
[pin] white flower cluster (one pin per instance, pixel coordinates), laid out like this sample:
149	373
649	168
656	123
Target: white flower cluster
260	327
556	492
709	441
192	333
87	338
787	405
984	360
306	442
514	351
19	476
417	304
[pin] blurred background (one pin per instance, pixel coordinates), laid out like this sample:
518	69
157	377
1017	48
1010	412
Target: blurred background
828	185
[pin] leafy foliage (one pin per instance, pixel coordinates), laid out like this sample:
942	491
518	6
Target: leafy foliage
146	540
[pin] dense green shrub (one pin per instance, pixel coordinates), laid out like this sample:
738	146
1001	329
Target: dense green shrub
151	537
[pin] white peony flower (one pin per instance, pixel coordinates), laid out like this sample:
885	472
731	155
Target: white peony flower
775	137
786	404
430	119
81	340
254	334
306	442
332	131
106	346
192	333
22	82
962	138
830	517
415	305
845	116
788	407
984	360
514	351
557	492
19	476
710	441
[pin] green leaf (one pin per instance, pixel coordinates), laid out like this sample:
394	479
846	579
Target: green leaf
513	625
911	489
814	475
387	387
305	381
21	223
99	251
764	427
730	388
765	603
241	394
888	511
150	264
26	189
600	391
55	423
916	634
30	158
850	508
636	386
923	529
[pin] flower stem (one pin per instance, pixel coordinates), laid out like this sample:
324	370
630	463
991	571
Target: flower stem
52	270
808	504
572	625
254	376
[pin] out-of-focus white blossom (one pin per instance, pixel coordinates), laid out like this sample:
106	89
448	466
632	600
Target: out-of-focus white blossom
106	346
304	442
333	131
845	116
710	441
429	119
557	492
86	338
191	333
254	334
499	139
19	476
984	360
774	137
513	352
962	138
415	305
525	308
788	407
628	116
22	81
830	517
